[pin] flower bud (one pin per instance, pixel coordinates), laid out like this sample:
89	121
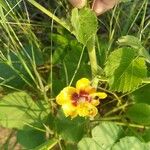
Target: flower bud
78	3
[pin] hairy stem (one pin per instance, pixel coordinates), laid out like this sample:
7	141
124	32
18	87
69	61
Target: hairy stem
107	119
93	61
132	125
92	56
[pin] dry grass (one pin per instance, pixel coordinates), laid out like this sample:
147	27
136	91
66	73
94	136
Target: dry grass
8	140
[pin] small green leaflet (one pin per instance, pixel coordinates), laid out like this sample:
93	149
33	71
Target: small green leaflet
85	24
103	137
125	70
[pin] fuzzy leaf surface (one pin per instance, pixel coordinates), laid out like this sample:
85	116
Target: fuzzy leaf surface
85	24
103	137
125	70
127	143
135	43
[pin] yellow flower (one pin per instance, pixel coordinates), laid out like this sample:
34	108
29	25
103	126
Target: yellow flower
81	100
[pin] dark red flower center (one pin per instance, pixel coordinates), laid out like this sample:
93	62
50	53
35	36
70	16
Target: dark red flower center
81	96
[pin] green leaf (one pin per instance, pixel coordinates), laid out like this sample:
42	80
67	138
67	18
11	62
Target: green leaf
146	135
61	47
139	113
18	108
147	146
135	43
70	130
71	146
4	5
13	73
125	70
47	145
103	137
85	24
71	66
8	76
71	61
106	134
102	46
59	54
34	53
129	143
142	95
30	138
89	144
59	39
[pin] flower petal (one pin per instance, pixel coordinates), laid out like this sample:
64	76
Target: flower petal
95	102
82	109
69	110
81	100
101	95
65	95
92	111
82	83
86	109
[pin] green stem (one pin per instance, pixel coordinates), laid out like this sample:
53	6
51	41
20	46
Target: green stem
51	15
121	123
146	81
60	146
91	48
107	119
132	125
117	109
92	56
93	61
36	128
114	94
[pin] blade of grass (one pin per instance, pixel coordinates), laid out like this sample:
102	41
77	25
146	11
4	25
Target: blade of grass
50	14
